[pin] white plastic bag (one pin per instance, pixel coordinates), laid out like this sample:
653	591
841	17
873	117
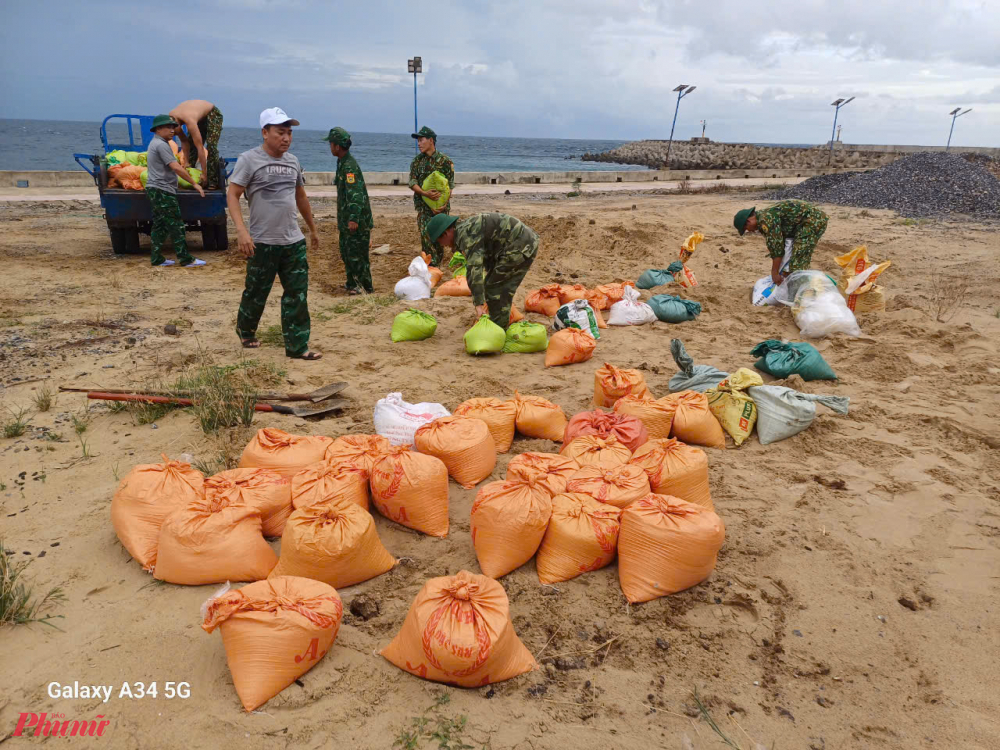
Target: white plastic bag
818	308
630	311
577	314
765	291
417	285
397	420
783	412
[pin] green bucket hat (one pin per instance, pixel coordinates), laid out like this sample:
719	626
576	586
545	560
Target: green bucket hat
438	225
338	136
160	120
740	220
425	132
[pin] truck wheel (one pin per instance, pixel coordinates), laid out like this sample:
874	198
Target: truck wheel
119	240
221	237
208	237
131	241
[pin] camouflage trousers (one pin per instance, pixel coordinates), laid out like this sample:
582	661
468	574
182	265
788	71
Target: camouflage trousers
210	127
167	224
290	264
805	243
434	250
354	252
504	277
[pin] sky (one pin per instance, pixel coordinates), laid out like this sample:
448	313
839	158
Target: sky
765	72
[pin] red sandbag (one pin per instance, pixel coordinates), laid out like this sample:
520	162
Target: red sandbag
629	430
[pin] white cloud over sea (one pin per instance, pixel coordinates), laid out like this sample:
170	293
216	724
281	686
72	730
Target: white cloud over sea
765	72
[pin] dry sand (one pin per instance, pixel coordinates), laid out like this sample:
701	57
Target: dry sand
854	604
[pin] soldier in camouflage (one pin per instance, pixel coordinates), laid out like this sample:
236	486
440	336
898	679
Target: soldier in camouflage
798	221
354	214
498	251
429	160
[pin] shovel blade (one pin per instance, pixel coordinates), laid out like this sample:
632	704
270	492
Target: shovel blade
325	408
321	394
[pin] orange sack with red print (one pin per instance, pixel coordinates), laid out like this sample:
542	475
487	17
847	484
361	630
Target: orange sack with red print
569	346
619	486
359	451
591	450
555	470
666	545
412	489
656	414
263	489
508	523
458	631
677	469
544	301
628	429
694	422
539	418
325	480
463	443
611	383
287	454
498	415
582	535
145	497
274	631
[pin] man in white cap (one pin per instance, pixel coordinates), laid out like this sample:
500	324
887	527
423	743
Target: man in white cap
273	244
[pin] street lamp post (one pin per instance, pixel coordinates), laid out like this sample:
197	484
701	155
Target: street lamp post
838	104
682	91
415	66
955	114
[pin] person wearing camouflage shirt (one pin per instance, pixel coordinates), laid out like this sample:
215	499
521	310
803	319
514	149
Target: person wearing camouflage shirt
354	214
498	251
429	160
798	221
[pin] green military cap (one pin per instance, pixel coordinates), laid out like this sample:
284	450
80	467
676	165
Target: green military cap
425	132
339	136
740	220
160	120
438	225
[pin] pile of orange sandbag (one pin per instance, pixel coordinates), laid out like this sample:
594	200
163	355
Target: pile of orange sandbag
548	299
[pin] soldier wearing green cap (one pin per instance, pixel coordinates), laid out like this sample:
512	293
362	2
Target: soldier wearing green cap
498	250
429	160
354	214
798	221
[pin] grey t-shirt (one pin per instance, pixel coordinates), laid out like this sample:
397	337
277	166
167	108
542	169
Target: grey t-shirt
270	189
158	172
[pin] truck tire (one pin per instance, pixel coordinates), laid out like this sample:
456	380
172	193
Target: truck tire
119	241
221	237
208	237
131	241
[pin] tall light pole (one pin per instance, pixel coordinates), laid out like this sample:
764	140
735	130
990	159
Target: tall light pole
415	66
955	114
838	104
682	91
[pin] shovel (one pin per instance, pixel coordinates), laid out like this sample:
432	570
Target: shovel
326	408
320	394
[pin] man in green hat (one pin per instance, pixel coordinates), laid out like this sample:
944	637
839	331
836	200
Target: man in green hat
354	214
498	251
162	171
798	221
429	160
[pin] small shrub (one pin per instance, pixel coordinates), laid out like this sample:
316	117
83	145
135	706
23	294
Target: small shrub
17	424
44	398
18	604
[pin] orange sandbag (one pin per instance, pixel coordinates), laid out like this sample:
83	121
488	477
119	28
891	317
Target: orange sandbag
694	422
515	315
568	347
611	383
359	451
498	415
426	258
569	293
614	292
215	539
458	631
412	489
436	275
555	470
463	443
544	301
600	319
591	450
598	301
582	535
508	523
666	545
287	454
263	489
145	497
619	486
274	631
628	429
676	469
656	414
325	480
332	541
456	287
539	418
129	176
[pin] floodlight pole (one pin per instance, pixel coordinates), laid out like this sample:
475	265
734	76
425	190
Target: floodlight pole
415	65
838	104
682	91
955	114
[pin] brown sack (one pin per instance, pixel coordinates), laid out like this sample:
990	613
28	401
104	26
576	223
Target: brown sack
694	422
618	486
263	489
498	415
458	631
508	523
332	541
676	469
544	301
539	418
435	275
569	346
274	631
611	383
582	535
359	451
555	470
666	545
287	454
614	292
656	414
456	287
325	480
463	443
412	489
591	450
628	429
213	540
568	293
145	497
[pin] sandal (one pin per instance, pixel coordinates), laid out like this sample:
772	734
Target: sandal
307	356
250	343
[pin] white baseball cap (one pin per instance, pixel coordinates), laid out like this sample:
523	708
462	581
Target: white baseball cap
276	116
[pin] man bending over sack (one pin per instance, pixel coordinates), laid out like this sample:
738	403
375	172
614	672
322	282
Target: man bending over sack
798	221
204	126
498	251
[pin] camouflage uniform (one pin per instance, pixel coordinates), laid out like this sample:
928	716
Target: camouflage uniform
290	264
800	221
498	251
420	169
210	127
353	205
167	223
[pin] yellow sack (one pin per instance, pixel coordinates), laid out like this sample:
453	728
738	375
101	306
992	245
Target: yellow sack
732	406
866	296
687	249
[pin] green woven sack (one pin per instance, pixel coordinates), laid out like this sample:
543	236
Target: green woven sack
413	325
195	175
437	181
524	337
485	337
672	309
782	360
114	158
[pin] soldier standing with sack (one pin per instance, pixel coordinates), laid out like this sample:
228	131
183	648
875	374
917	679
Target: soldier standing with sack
354	214
429	160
